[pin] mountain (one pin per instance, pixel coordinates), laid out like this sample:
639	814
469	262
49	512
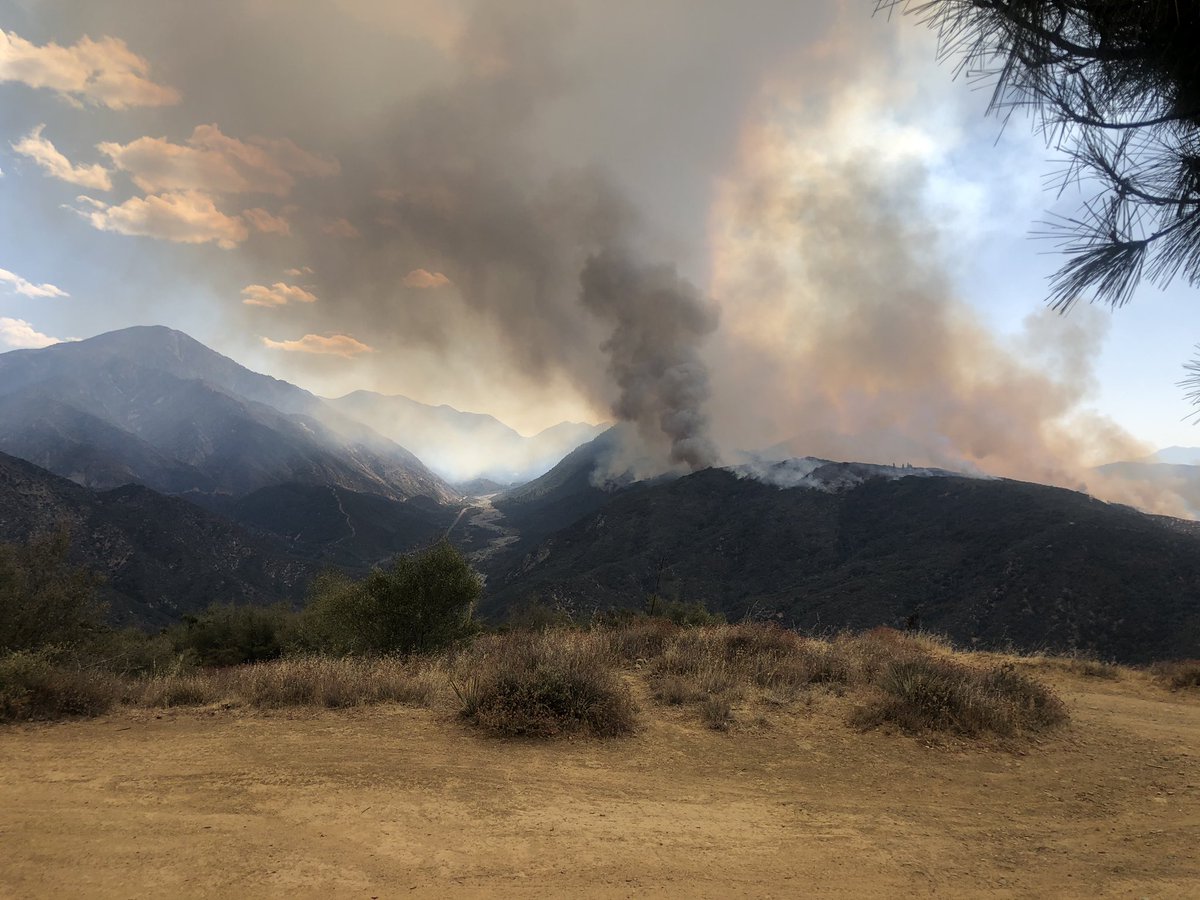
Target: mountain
567	492
462	446
990	562
1177	456
1179	479
153	406
161	557
333	526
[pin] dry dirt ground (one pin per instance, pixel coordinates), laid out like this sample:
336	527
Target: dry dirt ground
397	802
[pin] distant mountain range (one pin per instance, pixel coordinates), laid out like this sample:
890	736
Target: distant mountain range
272	483
463	446
991	562
152	406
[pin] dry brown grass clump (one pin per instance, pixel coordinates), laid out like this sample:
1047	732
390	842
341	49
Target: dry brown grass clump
930	694
34	687
331	682
1177	674
544	685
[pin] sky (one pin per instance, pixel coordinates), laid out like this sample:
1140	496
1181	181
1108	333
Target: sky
775	222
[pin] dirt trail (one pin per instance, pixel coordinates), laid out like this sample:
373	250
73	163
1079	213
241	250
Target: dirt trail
403	802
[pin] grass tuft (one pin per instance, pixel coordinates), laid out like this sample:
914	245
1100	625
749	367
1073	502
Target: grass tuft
545	685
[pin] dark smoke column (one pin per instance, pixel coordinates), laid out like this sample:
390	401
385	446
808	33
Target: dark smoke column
659	321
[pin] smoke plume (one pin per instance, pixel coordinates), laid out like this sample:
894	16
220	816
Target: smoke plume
659	320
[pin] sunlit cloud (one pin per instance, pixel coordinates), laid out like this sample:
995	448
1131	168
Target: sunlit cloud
212	161
341	228
17	334
48	157
277	294
423	279
185	217
28	288
103	73
298	272
326	345
266	222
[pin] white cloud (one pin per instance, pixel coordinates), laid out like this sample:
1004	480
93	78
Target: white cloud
186	217
423	279
297	273
104	72
212	161
330	345
28	288
277	294
46	155
341	228
17	334
266	222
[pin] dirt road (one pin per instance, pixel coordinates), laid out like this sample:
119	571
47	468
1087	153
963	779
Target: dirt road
395	802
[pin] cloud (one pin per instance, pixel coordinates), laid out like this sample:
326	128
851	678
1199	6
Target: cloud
103	72
423	279
212	161
28	288
185	217
327	345
297	273
277	294
341	228
17	334
46	155
266	222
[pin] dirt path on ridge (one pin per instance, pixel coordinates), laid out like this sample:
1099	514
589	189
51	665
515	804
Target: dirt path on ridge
398	802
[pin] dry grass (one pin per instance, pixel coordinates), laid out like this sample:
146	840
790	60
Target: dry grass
565	680
1183	673
941	695
331	682
34	687
545	684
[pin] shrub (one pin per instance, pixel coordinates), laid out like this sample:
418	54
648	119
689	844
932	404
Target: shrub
939	695
130	651
641	638
227	635
44	600
716	713
422	603
34	686
197	689
1183	673
543	685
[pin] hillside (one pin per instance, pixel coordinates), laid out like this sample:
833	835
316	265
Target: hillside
152	406
330	525
161	557
989	562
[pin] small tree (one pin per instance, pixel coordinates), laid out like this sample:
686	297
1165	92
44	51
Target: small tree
44	600
422	602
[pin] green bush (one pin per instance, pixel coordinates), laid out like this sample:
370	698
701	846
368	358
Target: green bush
422	603
226	635
44	600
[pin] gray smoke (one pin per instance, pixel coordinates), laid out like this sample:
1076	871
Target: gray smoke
659	320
